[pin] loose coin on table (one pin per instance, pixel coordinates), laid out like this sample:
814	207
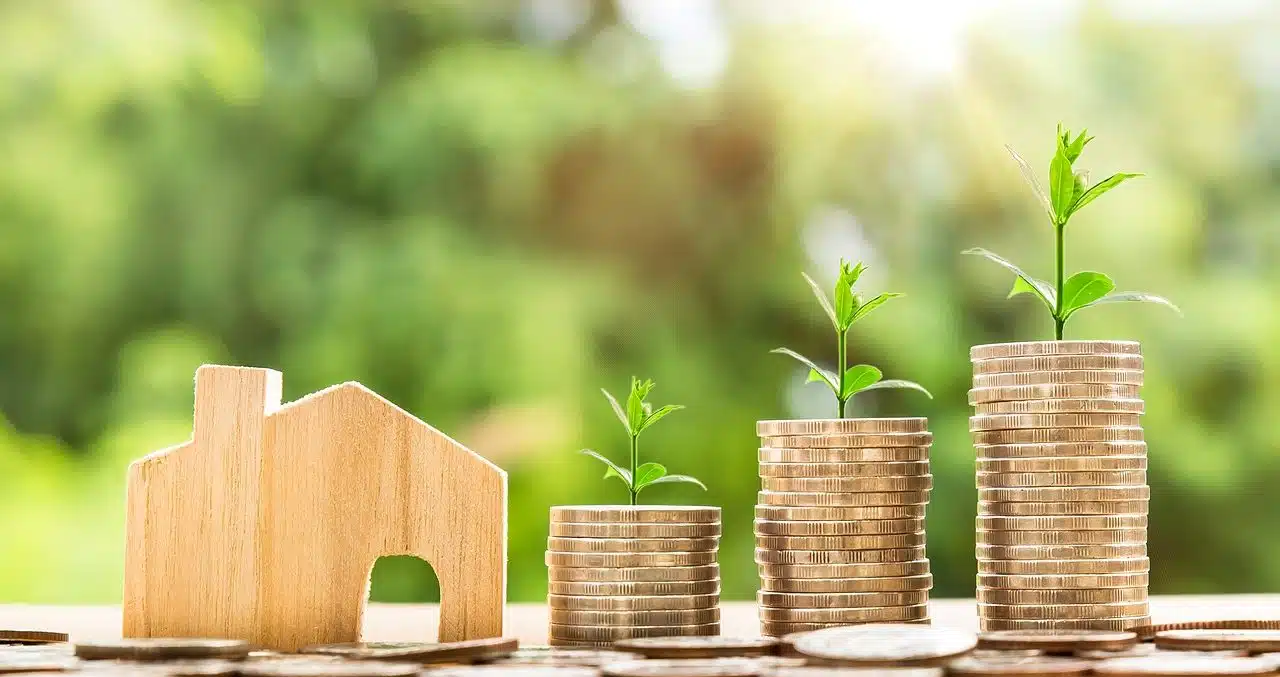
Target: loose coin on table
159	649
320	666
970	666
1182	666
699	647
420	652
1058	641
563	657
879	644
514	671
1253	641
1149	631
691	667
31	637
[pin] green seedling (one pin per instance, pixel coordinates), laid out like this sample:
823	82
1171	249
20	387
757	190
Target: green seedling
1068	195
848	308
637	418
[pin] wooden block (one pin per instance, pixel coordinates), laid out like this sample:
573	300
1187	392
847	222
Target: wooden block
266	524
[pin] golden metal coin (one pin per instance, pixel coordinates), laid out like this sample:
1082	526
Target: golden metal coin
1056	464
788	631
1061	449
869	614
1182	666
1055	391
1035	597
1063	582
1148	632
636	574
993	624
825	600
869	498
629	559
1061	508
1093	478
1033	348
700	648
563	658
1088	420
632	603
1072	405
582	530
1013	365
1065	523
620	618
1058	552
864	542
869	571
775	454
1058	641
841	426
632	545
843	441
1090	376
837	528
1019	666
811	585
1062	611
634	588
606	633
885	644
768	556
846	484
1052	494
903	469
1098	537
644	514
1061	567
1040	435
827	514
1251	640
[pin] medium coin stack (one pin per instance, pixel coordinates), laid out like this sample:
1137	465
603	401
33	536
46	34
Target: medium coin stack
1062	485
840	522
624	571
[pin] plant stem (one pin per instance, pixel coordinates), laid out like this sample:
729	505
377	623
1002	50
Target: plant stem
635	458
842	357
1058	321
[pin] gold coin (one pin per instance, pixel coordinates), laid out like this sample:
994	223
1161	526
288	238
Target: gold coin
975	666
1053	494
1183	666
1064	523
636	574
1096	537
767	556
1099	596
632	545
614	633
1072	405
884	644
1033	348
868	571
1061	508
1058	641
674	648
1251	640
1061	449
1093	478
776	454
869	498
1013	365
783	630
1055	391
827	514
841	426
1090	376
993	624
837	528
634	588
612	514
1064	582
869	614
1115	551
581	530
905	469
1060	567
644	618
1041	435
846	484
629	559
864	542
1148	632
1056	464
1063	611
1088	420
632	603
825	600
887	584
841	441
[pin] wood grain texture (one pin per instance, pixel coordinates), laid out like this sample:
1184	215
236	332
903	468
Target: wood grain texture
266	525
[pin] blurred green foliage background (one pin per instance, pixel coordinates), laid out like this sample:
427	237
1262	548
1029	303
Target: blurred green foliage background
487	211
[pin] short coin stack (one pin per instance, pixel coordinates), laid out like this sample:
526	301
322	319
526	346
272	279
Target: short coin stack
840	522
1062	485
624	571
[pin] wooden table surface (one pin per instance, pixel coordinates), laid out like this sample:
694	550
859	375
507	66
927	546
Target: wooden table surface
528	621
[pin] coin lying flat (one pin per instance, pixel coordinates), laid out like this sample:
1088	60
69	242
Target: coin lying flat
865	542
1062	552
1086	420
1031	348
837	527
1062	406
809	585
843	426
419	652
552	656
632	588
633	603
1061	449
848	570
770	556
1061	508
609	514
1063	582
694	667
514	671
1062	464
632	545
157	648
817	671
776	454
843	484
1063	523
1011	365
1061	567
1062	611
1064	376
320	666
970	666
584	530
1147	632
1065	494
637	574
566	617
878	614
993	624
841	599
1181	666
860	469
699	647
1098	596
1058	641
1096	478
881	643
1253	641
1098	537
860	440
1047	435
606	633
26	663
31	637
870	498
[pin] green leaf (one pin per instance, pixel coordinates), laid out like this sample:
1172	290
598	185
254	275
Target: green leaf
635	403
1099	188
672	479
1082	289
659	414
821	374
1062	184
846	305
866	308
898	383
859	377
1038	287
648	473
1074	148
612	469
1136	297
1021	286
1029	174
822	299
617	409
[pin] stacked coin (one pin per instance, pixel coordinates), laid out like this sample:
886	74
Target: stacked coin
1062	485
624	571
840	522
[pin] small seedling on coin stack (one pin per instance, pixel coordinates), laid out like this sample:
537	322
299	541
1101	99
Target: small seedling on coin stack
636	418
1067	195
848	308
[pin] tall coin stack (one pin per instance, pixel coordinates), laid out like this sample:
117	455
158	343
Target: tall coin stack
1062	485
840	522
623	571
